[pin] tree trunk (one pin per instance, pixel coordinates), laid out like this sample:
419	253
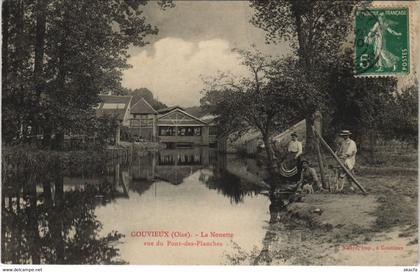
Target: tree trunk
14	234
270	159
5	45
39	58
57	222
58	143
318	127
305	61
39	44
19	38
46	140
61	79
297	14
3	225
33	222
55	213
310	145
46	187
17	69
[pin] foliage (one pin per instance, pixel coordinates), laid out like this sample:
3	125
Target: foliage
231	186
41	229
104	129
358	104
269	100
80	237
59	55
41	162
401	115
316	30
146	94
196	111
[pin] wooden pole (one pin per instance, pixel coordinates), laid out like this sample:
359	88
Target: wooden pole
352	177
321	165
318	127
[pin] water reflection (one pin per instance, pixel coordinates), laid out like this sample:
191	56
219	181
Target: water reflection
54	226
79	215
174	165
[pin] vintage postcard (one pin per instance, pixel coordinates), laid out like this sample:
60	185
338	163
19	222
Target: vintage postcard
268	133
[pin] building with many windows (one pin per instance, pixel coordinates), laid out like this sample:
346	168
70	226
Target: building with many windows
172	126
178	127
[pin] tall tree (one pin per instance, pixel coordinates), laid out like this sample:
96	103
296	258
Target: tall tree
358	104
60	55
400	120
16	67
264	101
316	31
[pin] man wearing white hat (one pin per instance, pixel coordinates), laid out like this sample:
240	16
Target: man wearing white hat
347	152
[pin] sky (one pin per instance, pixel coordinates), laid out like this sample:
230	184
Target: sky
195	41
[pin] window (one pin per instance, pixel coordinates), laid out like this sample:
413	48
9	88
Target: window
197	131
180	131
189	131
212	130
166	131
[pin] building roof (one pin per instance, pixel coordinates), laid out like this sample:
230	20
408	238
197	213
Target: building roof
179	116
166	110
142	107
113	105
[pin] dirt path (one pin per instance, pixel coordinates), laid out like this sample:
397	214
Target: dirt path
350	228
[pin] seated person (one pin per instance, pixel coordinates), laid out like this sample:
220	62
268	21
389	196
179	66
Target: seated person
308	176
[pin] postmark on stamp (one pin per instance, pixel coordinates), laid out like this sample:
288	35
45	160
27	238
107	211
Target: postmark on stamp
382	42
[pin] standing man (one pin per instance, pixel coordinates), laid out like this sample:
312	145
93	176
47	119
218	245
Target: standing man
347	153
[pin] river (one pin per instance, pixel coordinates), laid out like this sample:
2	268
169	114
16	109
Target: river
176	206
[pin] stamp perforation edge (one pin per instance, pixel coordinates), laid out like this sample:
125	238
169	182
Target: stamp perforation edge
411	7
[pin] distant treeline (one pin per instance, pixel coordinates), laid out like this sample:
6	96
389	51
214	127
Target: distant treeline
142	93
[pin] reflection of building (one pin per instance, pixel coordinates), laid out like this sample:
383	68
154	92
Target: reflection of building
117	179
173	165
143	168
170	165
184	157
172	125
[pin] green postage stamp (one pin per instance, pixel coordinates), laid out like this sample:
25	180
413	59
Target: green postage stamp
382	41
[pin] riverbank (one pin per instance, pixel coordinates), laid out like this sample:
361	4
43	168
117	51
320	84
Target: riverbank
40	162
139	146
349	228
129	150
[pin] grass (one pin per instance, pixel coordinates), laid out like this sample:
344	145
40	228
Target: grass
392	178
